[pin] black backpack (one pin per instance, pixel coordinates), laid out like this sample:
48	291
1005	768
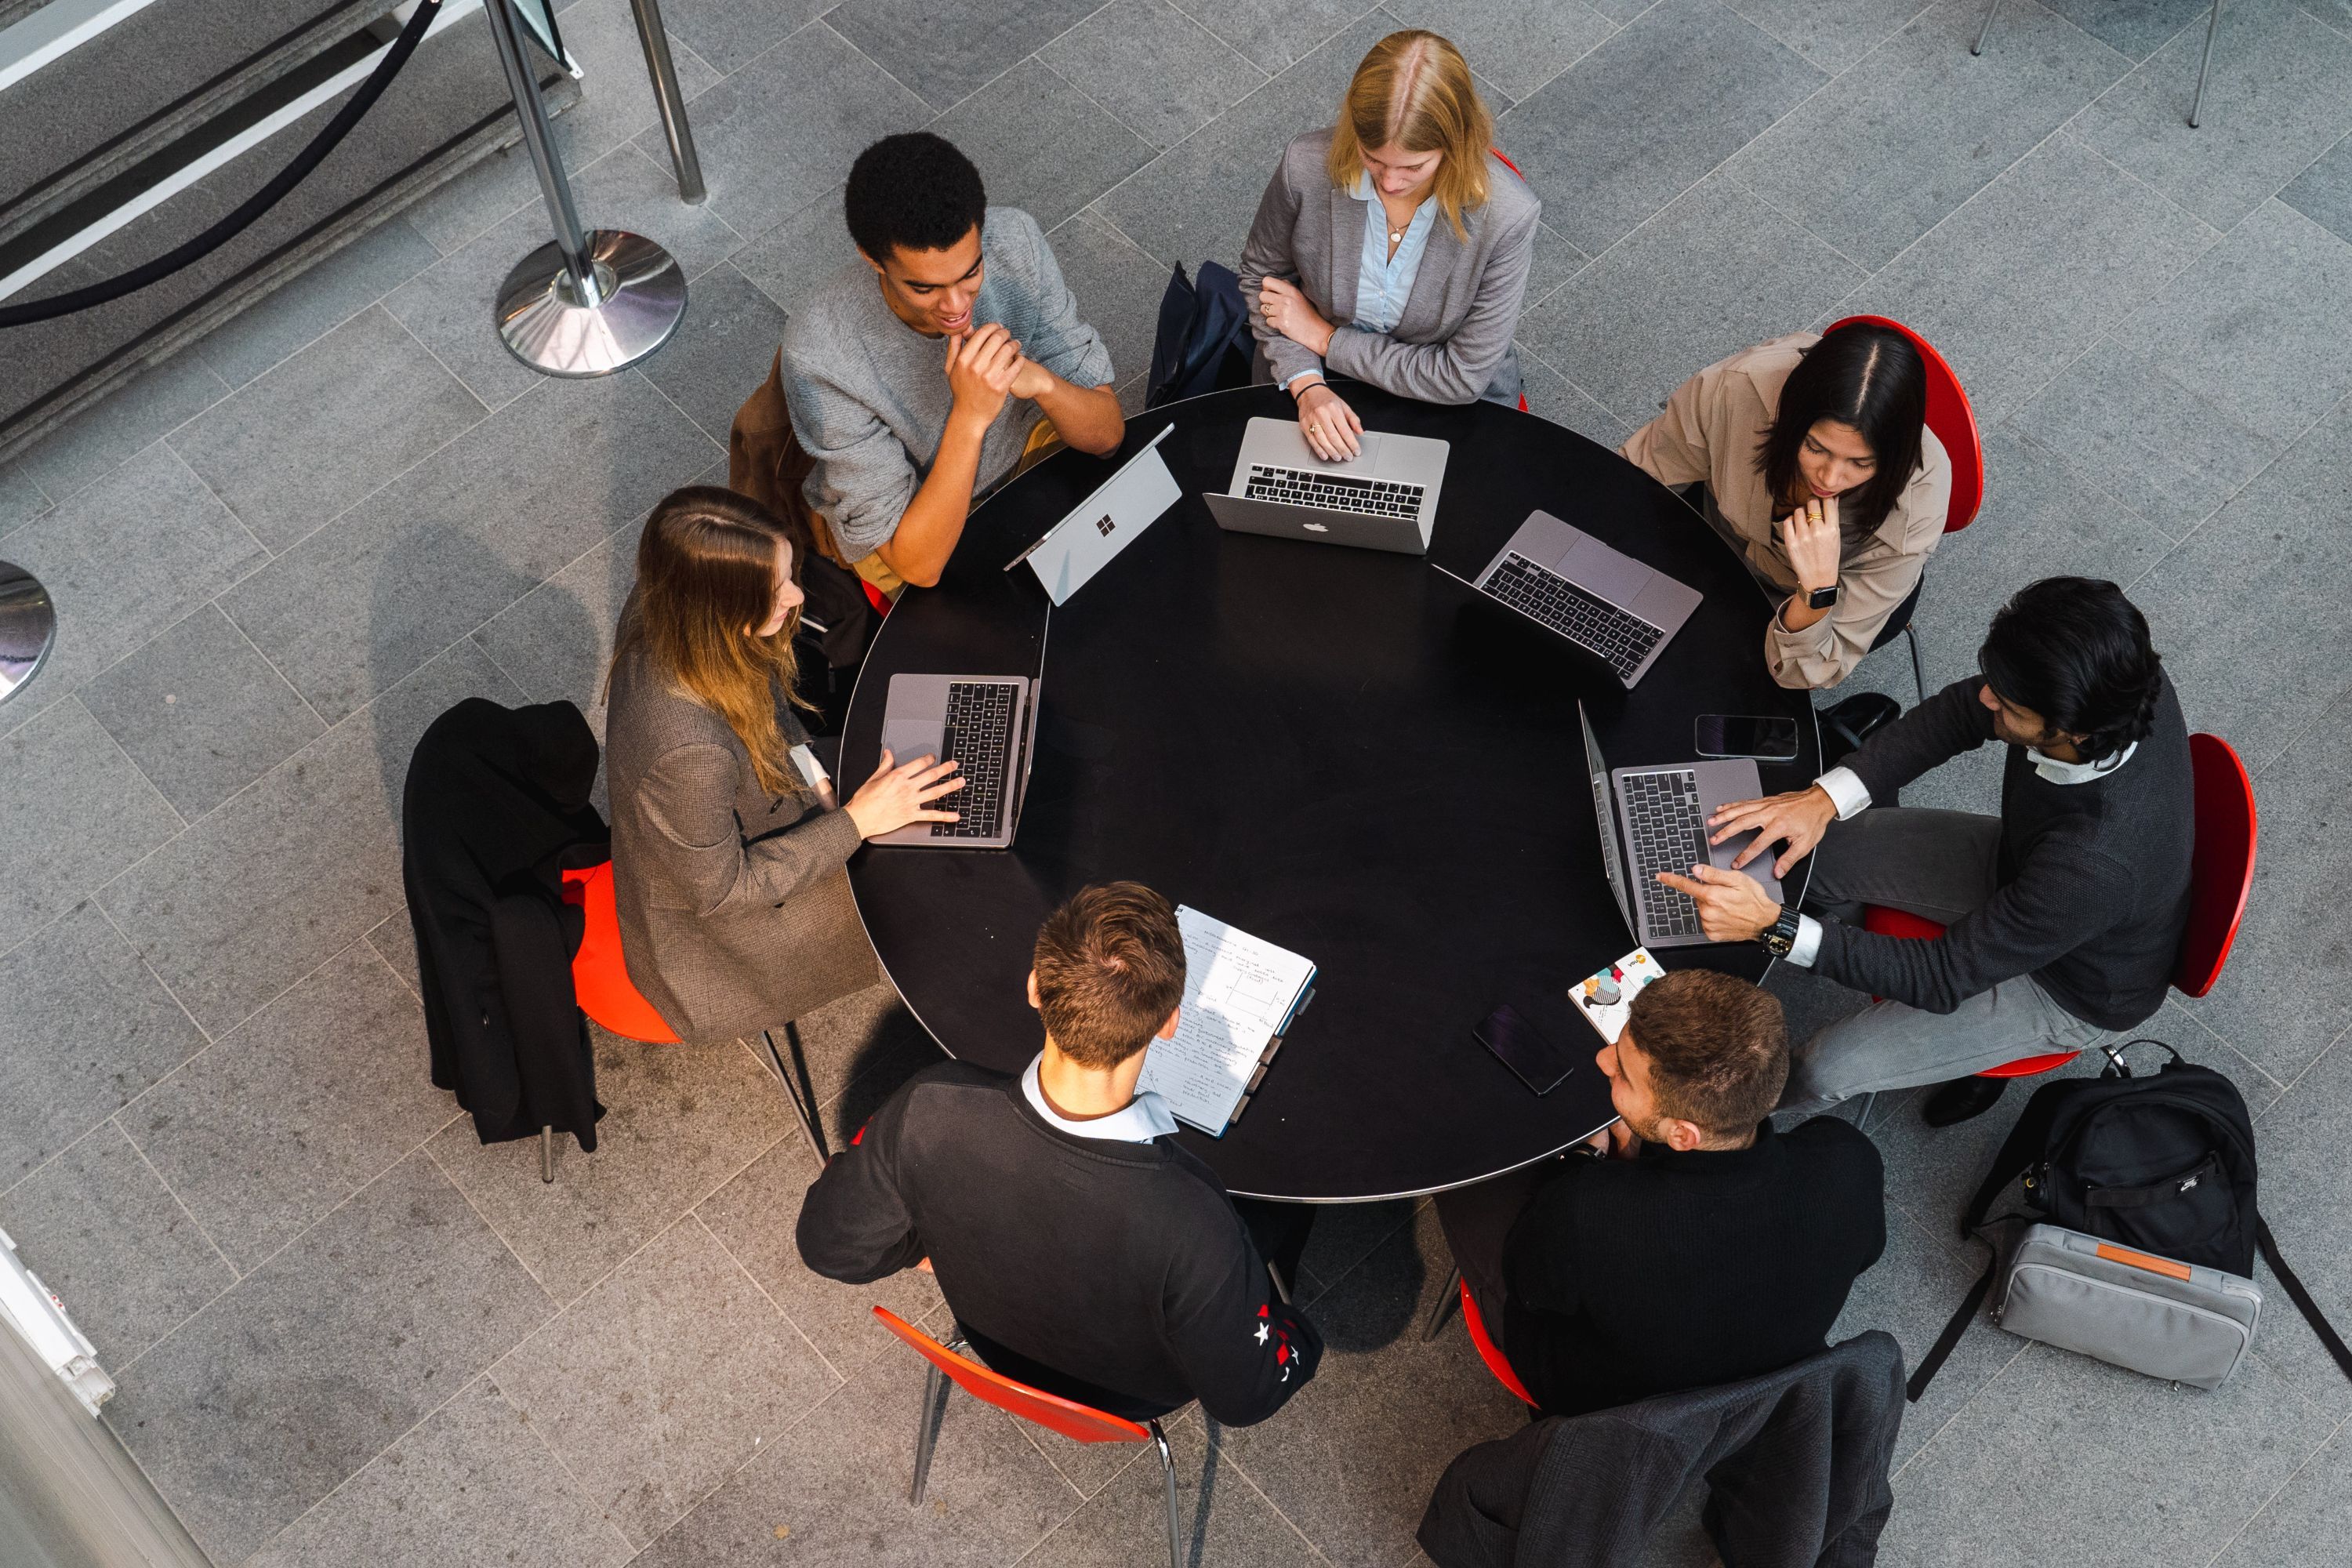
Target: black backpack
2161	1164
1203	343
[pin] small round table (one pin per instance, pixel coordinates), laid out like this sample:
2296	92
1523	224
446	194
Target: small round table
1348	753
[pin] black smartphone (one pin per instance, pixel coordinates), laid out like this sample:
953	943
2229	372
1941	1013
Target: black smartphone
1745	735
1539	1059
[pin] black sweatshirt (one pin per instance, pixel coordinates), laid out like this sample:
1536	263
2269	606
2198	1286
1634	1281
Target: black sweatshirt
1115	1273
2094	877
1626	1279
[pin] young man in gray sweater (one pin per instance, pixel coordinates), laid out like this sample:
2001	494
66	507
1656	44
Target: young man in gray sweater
2063	915
918	374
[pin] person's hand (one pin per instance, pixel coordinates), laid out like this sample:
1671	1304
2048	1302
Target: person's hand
1731	906
1809	535
1288	311
899	793
1617	1141
1796	820
1030	379
981	367
1330	426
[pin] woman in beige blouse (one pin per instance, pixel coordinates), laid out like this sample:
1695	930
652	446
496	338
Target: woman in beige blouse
1820	471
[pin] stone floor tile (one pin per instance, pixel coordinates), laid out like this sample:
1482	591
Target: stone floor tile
21	501
946	54
1041	144
99	1227
1275	35
1161	73
1119	288
1921	127
1716	270
2305	1524
2030	271
557	639
276	1393
1344	1235
1640	118
722	352
664	1380
1551	395
201	712
2275	103
297	867
314	302
731	34
74	811
307	439
2135	29
1835	35
681	1122
1222	1519
296	1109
395	941
1514	44
789	259
471	1484
92	443
2323	193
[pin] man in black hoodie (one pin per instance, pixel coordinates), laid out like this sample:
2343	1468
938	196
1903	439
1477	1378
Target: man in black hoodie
1080	1249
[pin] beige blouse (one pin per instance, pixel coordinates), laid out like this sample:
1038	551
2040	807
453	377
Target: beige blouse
1711	430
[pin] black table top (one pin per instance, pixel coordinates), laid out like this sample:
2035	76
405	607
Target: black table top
1344	752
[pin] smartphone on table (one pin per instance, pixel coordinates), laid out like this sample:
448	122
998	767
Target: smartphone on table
1745	735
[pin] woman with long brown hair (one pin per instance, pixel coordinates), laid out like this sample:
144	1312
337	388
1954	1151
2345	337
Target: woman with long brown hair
1392	247
727	857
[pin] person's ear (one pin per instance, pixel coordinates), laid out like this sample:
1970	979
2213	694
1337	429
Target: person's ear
1680	1136
871	262
1035	1000
1168	1029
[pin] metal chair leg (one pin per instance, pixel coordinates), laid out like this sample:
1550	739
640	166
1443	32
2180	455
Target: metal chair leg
547	1154
928	1432
1986	31
1861	1117
2212	24
1918	671
1168	1471
793	1084
1447	1299
1281	1285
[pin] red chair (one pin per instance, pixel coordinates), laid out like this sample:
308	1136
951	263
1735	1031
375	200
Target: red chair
1487	1350
1079	1422
2220	880
1954	422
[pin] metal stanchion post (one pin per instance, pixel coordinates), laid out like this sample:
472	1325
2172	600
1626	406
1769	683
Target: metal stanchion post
28	629
586	303
658	66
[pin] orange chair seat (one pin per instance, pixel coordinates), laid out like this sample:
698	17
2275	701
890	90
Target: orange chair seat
1079	1422
599	979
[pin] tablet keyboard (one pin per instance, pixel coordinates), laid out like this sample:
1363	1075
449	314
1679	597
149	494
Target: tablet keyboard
980	737
1333	492
1668	829
1592	622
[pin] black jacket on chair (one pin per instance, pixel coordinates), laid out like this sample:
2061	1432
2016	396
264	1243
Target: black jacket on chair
1796	1461
496	806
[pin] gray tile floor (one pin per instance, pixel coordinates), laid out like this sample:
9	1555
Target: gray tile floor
347	1333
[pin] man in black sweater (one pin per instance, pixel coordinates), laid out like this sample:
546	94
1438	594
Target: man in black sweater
1080	1249
2063	915
1710	1248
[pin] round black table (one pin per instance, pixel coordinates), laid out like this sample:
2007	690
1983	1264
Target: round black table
1345	752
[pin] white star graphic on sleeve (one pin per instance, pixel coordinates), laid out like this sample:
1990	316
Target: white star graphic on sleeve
1261	1334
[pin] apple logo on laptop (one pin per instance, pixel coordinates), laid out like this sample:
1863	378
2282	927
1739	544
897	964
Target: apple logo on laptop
1317	528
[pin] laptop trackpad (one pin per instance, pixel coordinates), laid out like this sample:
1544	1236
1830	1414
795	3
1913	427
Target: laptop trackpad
1594	567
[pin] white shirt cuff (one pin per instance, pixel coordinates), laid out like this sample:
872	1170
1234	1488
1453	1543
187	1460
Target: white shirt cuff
1847	791
1808	942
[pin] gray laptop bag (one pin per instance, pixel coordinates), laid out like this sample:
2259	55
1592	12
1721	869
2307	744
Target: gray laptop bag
2170	1320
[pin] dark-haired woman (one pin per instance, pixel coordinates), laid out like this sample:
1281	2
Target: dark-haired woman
1820	471
726	854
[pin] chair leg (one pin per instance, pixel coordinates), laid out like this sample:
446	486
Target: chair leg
547	1154
1918	671
1447	1299
1281	1285
1861	1117
2196	105
794	1083
1986	31
927	1432
1168	1471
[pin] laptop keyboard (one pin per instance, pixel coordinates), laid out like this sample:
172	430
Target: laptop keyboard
1668	829
1333	492
980	736
1622	638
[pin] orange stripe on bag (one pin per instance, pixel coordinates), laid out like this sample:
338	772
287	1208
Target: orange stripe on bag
2142	1260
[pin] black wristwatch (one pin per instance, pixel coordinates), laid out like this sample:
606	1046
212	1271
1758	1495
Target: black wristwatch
1821	598
1782	935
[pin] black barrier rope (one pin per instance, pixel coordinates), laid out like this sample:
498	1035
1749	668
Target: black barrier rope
254	205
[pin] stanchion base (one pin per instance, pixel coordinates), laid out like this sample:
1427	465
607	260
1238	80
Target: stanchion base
28	629
546	327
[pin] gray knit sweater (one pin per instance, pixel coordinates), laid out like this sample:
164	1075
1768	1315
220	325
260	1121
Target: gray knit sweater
869	394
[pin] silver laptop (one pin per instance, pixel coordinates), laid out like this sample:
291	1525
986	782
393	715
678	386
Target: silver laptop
1653	819
1384	497
988	723
1601	599
1071	552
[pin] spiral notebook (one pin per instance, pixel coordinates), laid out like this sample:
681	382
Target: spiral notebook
1242	994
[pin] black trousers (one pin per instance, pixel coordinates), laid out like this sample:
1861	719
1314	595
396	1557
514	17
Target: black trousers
1477	1221
1279	1232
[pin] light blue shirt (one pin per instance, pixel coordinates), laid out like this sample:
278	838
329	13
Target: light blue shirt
1384	282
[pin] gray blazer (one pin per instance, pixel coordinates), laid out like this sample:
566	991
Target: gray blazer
735	908
1452	344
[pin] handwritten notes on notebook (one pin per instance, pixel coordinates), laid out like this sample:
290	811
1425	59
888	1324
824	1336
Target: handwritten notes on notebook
1240	995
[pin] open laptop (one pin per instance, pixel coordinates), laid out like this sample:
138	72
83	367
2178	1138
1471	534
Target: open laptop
1071	552
987	722
1653	819
1384	497
1601	599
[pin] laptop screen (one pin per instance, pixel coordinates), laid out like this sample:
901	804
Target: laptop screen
1604	810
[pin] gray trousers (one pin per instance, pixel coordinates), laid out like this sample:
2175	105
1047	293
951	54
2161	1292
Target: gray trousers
1940	865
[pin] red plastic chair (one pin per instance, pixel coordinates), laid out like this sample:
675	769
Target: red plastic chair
1954	421
2220	880
1487	1350
1079	1422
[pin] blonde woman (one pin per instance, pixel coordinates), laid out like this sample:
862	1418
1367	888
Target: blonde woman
1392	247
727	864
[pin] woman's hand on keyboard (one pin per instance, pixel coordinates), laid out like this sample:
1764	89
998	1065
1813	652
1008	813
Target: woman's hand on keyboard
899	793
1330	426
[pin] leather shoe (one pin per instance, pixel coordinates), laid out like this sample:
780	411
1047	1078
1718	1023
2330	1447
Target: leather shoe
1961	1099
1846	725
